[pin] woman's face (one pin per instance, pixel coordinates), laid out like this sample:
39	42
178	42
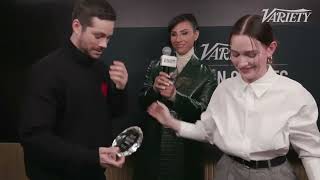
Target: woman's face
183	36
249	56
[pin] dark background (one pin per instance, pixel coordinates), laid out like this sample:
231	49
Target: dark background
33	28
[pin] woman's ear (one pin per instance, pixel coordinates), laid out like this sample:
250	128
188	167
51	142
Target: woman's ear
272	48
196	36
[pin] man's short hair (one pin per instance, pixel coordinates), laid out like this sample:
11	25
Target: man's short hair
85	10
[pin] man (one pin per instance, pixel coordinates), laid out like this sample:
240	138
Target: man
66	119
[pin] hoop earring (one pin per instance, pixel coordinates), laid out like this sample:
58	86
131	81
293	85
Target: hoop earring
269	60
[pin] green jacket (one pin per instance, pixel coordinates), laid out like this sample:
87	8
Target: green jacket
194	85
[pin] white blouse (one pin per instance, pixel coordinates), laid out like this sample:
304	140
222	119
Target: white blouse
258	121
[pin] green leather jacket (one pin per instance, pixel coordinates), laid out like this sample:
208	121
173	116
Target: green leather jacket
194	85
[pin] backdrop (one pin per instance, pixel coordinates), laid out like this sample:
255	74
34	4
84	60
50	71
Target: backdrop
37	27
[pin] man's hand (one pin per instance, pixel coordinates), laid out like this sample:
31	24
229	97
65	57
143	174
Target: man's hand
108	157
118	74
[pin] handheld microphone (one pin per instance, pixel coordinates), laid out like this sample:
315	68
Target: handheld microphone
168	63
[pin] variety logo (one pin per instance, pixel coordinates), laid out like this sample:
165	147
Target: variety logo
219	51
286	16
218	58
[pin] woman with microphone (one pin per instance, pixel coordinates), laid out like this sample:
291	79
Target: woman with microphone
186	91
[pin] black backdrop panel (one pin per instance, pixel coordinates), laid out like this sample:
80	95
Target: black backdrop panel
41	26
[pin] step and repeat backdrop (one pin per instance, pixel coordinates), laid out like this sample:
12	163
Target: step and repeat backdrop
43	25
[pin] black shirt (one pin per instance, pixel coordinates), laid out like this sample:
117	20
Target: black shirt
67	116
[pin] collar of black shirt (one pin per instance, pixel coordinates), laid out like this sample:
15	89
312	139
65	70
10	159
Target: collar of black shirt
79	56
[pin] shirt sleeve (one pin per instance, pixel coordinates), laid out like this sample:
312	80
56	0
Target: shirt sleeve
203	130
200	131
118	101
305	136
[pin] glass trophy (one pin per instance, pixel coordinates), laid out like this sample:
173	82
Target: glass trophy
128	141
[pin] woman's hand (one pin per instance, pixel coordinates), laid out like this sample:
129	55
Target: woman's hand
164	85
161	113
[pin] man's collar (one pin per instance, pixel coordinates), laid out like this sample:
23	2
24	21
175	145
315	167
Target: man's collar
79	56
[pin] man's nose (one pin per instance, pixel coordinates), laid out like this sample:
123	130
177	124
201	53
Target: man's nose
103	43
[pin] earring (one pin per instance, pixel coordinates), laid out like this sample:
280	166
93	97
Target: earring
269	60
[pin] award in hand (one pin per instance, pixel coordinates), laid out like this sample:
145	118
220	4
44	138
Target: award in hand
128	141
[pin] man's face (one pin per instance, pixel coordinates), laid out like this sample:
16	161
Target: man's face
93	39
